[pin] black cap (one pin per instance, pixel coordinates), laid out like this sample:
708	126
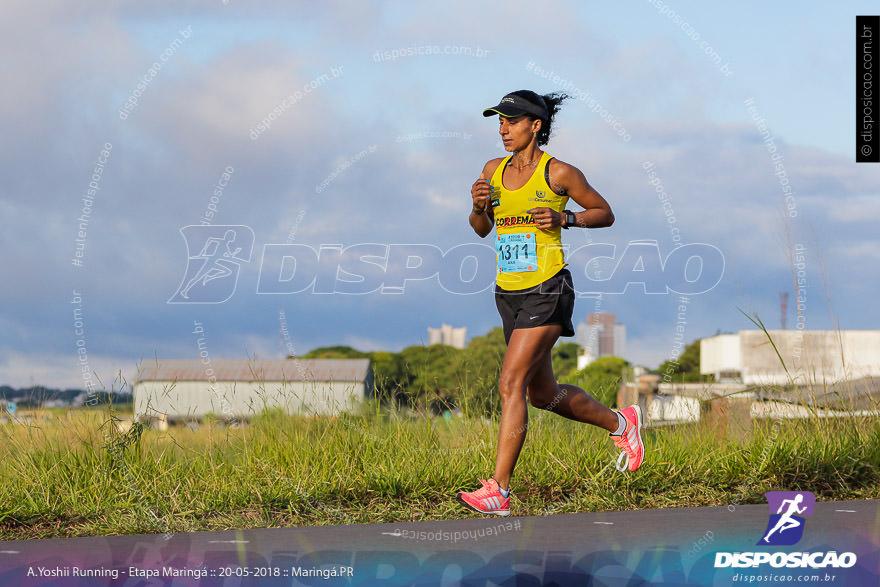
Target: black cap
519	103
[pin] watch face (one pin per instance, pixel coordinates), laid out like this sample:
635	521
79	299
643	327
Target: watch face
570	220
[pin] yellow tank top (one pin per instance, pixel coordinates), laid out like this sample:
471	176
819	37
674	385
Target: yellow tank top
525	255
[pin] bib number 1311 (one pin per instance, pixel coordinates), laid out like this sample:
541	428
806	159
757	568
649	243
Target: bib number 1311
516	252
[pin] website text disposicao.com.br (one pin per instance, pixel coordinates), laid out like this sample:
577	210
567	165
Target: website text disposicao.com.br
422	50
813	579
824	567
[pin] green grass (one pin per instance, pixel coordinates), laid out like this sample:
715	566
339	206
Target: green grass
73	474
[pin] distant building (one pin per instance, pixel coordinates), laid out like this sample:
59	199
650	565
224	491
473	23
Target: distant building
810	356
446	334
585	357
601	336
185	389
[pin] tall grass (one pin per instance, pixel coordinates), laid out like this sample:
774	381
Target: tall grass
74	473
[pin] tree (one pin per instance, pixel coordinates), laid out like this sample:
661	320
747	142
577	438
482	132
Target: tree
564	357
686	368
430	376
439	377
388	376
601	378
335	352
479	369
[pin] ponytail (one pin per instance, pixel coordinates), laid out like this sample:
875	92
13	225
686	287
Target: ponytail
553	101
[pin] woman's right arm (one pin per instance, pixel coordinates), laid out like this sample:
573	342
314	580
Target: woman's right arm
482	218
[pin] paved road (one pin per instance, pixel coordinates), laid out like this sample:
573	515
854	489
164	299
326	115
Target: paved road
650	547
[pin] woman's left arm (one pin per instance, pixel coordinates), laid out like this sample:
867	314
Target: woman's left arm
596	212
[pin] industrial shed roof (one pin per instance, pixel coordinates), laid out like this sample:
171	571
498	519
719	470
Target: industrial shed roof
255	370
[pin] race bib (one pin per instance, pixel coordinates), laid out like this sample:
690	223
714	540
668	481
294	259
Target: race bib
516	252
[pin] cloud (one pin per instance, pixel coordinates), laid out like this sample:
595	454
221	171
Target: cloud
61	370
199	113
853	209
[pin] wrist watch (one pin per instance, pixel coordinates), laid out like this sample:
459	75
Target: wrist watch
570	219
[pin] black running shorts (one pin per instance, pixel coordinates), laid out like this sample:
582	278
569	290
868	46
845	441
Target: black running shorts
550	302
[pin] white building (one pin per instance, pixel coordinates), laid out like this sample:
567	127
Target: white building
584	358
183	389
810	356
619	340
446	334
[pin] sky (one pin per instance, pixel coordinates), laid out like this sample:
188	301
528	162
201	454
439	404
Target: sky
338	144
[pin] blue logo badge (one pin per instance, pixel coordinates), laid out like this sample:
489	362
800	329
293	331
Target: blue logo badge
786	524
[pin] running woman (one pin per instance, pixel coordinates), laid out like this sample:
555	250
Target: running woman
524	196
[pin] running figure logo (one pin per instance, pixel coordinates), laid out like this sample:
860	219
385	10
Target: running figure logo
212	274
786	526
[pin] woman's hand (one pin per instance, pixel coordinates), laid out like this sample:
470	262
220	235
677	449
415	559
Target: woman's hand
546	218
481	193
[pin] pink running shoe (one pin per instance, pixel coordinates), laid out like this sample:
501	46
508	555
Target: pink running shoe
630	442
486	500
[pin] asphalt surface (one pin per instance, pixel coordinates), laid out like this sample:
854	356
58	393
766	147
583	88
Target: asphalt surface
644	547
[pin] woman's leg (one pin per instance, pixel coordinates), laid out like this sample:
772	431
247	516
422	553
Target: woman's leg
527	350
574	403
568	400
